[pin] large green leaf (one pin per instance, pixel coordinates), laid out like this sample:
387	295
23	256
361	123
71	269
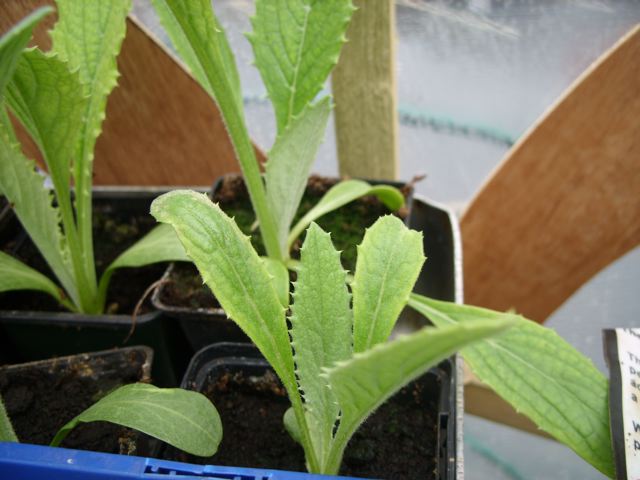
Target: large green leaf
540	375
341	194
159	245
296	43
363	383
32	202
13	43
88	36
18	276
232	269
187	420
320	331
7	434
290	162
389	261
200	39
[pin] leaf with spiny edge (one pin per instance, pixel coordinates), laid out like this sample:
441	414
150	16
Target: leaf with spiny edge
321	325
540	375
389	261
296	44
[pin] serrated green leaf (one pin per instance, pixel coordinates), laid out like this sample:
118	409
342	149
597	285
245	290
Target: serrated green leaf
321	326
341	194
14	42
88	36
540	375
290	162
296	43
279	277
184	419
7	434
18	276
389	261
159	245
361	384
32	202
233	270
48	100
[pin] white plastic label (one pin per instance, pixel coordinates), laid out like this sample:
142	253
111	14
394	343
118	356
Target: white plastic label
629	358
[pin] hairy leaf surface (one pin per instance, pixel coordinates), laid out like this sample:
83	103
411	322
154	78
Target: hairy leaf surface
7	434
389	261
232	269
296	43
361	384
13	43
24	188
320	331
540	375
19	276
187	420
290	162
341	194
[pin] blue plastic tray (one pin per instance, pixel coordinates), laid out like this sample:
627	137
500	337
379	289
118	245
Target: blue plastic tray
35	462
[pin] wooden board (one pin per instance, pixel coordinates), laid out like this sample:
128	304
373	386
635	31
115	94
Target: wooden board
364	89
565	202
161	128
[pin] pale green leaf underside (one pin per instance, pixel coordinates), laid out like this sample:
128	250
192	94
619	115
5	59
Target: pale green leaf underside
48	100
290	162
321	326
13	43
7	434
389	261
18	276
184	419
200	41
362	384
232	269
540	375
24	188
341	194
296	43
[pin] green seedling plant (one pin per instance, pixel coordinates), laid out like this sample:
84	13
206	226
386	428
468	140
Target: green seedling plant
184	419
334	362
296	44
60	98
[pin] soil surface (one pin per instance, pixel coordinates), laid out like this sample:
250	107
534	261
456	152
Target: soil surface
185	287
114	231
41	400
397	442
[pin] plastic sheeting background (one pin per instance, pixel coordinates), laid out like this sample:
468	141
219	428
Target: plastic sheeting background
473	75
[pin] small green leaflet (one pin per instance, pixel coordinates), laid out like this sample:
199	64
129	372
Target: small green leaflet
341	194
361	384
14	42
540	375
18	276
184	419
296	43
290	162
389	262
7	434
321	326
232	269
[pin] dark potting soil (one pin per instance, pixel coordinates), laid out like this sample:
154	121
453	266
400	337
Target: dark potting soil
40	401
399	441
113	231
346	224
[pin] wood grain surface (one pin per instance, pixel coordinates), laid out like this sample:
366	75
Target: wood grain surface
161	128
565	202
365	93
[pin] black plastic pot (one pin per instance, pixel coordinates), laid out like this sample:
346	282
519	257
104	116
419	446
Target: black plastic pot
35	335
439	384
41	396
204	326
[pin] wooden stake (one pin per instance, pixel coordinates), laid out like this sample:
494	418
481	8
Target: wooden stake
364	88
